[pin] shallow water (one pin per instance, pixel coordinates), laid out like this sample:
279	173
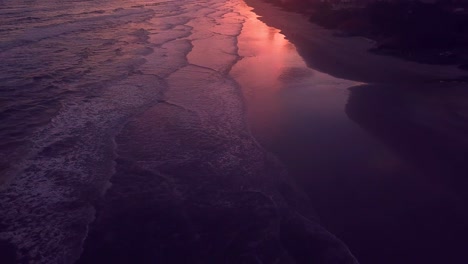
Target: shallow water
124	131
68	82
137	132
384	165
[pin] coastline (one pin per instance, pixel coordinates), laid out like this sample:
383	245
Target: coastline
349	57
216	195
384	166
153	155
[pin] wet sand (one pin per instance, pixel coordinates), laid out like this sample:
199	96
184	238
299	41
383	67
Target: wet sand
389	181
347	57
192	185
155	162
384	164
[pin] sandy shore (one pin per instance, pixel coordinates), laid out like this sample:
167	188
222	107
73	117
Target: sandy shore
347	57
385	166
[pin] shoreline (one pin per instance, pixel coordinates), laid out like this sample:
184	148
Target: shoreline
216	169
349	57
394	155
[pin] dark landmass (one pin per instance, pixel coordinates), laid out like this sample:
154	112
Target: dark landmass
349	57
401	199
426	33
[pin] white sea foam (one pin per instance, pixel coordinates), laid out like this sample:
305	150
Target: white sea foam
119	16
128	61
52	188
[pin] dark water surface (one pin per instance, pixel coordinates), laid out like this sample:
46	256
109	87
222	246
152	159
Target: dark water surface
124	140
137	132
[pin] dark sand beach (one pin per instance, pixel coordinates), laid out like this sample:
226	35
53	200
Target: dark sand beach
347	57
192	132
384	162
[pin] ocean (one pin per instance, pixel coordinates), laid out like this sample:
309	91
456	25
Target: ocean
124	136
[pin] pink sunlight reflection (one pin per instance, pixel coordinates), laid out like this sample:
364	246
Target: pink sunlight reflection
265	55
